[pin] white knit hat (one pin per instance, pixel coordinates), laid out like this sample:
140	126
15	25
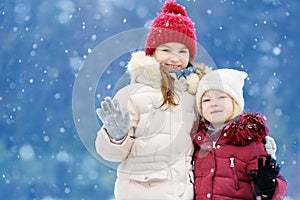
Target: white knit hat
229	81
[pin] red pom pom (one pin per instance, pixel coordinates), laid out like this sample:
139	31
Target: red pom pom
172	7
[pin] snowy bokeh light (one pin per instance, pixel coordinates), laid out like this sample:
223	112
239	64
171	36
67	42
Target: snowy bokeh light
44	44
26	152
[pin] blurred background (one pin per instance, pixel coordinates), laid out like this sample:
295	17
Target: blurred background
43	44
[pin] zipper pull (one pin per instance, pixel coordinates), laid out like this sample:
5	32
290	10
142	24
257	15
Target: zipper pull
235	178
214	144
231	162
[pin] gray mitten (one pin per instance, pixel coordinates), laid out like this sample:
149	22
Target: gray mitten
114	120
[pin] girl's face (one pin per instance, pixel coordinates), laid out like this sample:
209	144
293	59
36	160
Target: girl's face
173	55
217	107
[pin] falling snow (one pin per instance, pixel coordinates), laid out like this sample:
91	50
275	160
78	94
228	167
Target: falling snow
44	45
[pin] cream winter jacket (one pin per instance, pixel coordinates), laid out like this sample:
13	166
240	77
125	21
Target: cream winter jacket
156	156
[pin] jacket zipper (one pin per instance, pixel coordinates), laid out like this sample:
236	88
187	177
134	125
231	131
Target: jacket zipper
235	178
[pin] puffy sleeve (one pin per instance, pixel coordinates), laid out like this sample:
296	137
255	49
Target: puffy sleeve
111	151
281	188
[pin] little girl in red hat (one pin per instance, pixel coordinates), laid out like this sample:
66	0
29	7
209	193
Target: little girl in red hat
146	127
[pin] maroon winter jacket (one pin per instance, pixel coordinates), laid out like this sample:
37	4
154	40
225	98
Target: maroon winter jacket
223	162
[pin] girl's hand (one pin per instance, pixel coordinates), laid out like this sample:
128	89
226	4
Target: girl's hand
114	120
265	177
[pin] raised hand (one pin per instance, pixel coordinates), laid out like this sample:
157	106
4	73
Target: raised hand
265	177
114	120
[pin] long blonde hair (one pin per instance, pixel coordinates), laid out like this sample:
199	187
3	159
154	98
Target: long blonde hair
167	87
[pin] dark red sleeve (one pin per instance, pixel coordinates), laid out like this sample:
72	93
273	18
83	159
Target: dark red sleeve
281	188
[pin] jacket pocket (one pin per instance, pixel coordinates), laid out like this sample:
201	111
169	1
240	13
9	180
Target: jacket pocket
234	174
156	176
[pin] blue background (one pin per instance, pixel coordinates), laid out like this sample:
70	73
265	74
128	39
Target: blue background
44	43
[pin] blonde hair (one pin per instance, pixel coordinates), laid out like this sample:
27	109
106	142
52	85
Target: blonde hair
236	110
167	87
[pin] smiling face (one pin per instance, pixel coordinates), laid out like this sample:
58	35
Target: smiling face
173	55
217	107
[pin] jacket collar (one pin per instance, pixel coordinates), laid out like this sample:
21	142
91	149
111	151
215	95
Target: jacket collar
247	128
145	69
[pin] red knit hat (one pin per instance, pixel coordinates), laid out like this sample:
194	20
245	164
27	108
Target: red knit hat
172	25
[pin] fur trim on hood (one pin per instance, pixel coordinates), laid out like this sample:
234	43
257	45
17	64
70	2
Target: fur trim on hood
247	128
148	67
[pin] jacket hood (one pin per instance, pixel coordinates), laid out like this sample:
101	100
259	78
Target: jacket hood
142	65
146	68
247	128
